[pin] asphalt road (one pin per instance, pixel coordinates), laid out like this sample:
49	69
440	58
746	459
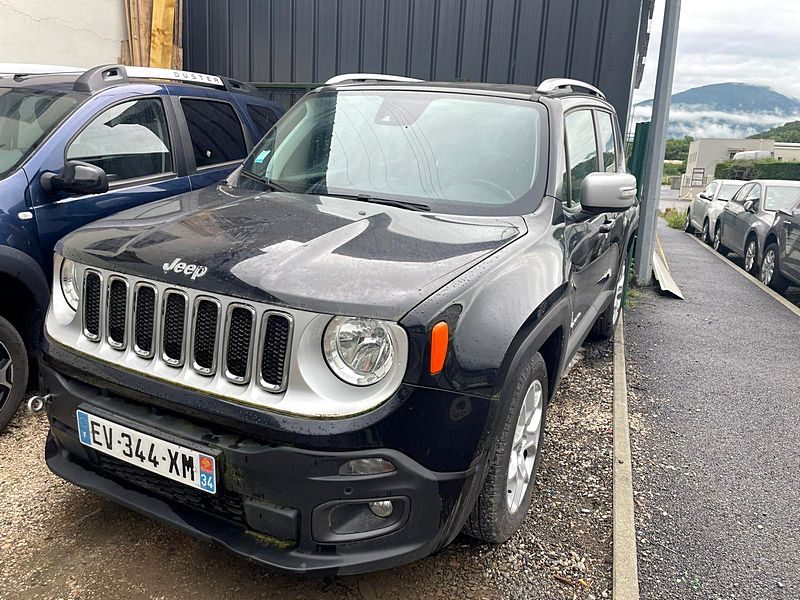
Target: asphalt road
714	385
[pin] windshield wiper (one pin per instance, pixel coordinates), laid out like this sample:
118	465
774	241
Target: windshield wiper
275	187
378	200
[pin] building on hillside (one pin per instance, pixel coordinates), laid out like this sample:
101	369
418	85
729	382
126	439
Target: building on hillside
705	155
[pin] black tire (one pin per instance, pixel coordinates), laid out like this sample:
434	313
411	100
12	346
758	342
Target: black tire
688	228
751	246
491	519
705	234
718	245
13	371
771	274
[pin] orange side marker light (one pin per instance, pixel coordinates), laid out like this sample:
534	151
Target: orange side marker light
439	336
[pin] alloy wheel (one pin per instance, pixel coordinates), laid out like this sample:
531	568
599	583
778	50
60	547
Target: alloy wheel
704	236
525	446
750	256
768	267
619	292
717	239
6	373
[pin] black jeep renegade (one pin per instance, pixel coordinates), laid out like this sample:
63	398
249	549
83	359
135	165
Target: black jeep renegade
342	357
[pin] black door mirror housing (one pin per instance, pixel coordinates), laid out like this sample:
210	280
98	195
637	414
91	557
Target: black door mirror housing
703	196
79	178
608	192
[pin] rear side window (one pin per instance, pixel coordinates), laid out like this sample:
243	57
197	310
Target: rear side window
581	150
215	132
263	118
128	141
605	128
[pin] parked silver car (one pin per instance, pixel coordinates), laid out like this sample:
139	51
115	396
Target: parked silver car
747	218
707	206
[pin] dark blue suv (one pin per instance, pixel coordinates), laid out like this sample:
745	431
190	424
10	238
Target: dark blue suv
75	147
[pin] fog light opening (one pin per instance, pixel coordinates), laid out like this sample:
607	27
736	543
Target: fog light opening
366	466
382	508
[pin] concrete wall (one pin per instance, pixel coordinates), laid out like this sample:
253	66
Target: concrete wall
81	33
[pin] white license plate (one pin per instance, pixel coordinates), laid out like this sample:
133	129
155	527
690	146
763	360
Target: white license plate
175	462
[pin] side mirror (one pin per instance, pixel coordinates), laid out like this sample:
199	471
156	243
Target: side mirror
608	192
78	178
703	196
748	206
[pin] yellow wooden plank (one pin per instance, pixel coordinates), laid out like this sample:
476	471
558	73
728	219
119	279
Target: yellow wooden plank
161	30
145	23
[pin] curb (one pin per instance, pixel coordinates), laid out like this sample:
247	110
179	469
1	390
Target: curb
625	578
775	295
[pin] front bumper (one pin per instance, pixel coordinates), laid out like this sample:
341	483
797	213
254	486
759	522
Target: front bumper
274	500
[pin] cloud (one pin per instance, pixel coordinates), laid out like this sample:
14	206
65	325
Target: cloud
730	40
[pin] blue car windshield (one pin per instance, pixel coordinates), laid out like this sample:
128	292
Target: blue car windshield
455	153
27	116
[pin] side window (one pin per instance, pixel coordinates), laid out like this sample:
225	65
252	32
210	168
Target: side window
605	129
128	141
263	118
754	196
215	132
742	193
581	150
710	190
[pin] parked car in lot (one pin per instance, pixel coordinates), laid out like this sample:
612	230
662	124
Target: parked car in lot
748	217
706	207
780	266
342	358
78	146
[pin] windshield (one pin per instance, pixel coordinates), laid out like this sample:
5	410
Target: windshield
26	117
728	191
781	197
452	152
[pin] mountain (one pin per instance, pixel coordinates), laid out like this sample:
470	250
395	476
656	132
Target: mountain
725	110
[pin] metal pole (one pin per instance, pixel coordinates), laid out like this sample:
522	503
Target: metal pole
654	163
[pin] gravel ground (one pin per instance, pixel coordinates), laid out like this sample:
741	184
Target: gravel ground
58	541
715	431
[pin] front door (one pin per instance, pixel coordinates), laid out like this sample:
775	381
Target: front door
735	220
594	259
791	244
131	142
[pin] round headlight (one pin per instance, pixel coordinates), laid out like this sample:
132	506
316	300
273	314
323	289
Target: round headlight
359	351
69	283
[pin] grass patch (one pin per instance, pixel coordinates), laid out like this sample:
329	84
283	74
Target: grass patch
675	217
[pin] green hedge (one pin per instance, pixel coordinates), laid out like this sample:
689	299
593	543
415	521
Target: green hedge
758	169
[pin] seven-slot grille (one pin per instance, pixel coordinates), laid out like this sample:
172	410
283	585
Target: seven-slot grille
176	330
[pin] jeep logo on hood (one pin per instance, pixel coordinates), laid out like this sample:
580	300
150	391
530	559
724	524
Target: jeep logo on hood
190	270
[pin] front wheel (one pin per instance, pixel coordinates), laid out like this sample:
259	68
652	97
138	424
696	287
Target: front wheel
506	495
688	228
751	257
770	269
13	371
706	234
718	245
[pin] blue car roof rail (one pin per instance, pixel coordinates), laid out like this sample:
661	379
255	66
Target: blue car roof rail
105	76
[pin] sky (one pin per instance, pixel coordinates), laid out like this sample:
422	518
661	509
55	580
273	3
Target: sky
748	41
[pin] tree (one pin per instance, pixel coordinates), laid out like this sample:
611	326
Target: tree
678	149
788	133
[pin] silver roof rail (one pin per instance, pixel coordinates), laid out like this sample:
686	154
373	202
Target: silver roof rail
552	85
36	69
359	77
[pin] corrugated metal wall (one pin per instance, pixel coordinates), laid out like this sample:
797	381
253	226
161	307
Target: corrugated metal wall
519	41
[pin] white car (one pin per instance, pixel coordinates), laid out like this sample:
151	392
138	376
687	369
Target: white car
707	206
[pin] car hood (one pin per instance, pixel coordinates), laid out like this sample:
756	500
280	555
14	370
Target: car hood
315	253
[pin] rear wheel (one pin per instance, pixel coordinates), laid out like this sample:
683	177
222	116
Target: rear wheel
606	323
770	269
751	256
688	228
13	371
506	495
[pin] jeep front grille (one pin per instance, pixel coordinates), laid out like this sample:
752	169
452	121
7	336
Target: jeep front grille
92	291
174	327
